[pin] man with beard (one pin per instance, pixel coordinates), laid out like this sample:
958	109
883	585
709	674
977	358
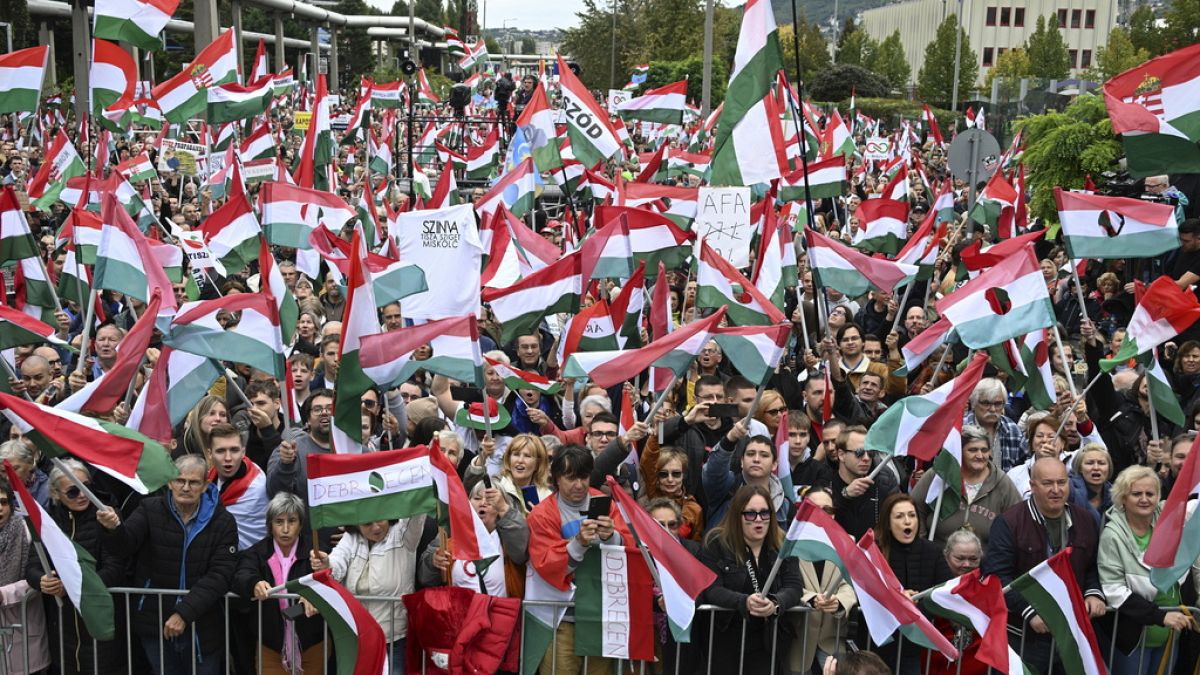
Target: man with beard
287	470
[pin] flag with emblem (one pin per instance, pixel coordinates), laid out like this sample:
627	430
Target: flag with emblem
536	122
1163	311
1155	107
184	96
1097	226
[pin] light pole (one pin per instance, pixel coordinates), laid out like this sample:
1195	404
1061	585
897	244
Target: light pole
8	31
958	31
612	69
706	85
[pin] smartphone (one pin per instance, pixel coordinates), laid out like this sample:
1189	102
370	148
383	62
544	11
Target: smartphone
487	480
723	410
466	394
530	492
600	505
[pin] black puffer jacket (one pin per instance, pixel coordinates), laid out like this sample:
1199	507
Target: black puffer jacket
252	568
83	529
918	565
163	556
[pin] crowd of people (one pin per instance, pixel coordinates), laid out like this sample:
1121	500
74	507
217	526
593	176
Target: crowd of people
1086	473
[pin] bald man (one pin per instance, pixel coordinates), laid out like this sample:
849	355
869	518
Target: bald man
1027	534
39	382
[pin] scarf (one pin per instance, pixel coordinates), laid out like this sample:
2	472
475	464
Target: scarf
281	565
15	544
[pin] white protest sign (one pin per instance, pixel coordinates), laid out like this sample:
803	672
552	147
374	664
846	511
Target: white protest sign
196	250
723	220
878	148
445	244
615	98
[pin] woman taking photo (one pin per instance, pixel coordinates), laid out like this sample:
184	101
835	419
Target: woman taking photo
1125	578
742	551
988	492
90	529
281	556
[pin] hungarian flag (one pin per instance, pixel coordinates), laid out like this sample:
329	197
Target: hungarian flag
118	451
112	74
614	616
537	124
607	252
514	250
1094	226
392	280
62	163
521	307
273	286
387	358
517	379
344	489
1163	399
1163	311
16	239
837	141
457	514
835	265
996	205
593	139
291	213
882	225
138	22
1155	107
919	630
177	384
719	284
826	180
258	67
682	163
628	308
772	273
923	247
18	329
1175	543
663	105
897	186
103	394
316	153
71	563
754	351
124	260
360	319
653	237
233	102
591	330
749	144
183	96
137	169
543	612
259	144
975	257
360	643
21	75
1052	590
681	202
232	234
815	535
929	427
1004	302
483	159
675	351
424	91
515	190
1034	350
935	132
386	95
978	604
255	340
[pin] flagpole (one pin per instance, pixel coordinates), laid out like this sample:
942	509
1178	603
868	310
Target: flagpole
803	320
89	317
133	382
1069	376
941	362
661	398
778	562
638	540
937	511
754	404
1079	292
13	375
231	380
903	303
1081	395
41	554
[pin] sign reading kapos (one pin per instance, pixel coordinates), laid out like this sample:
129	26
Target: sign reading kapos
878	148
723	220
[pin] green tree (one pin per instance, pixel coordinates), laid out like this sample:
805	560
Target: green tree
849	27
1048	57
671	30
354	46
399	8
935	81
1062	148
1116	57
692	68
857	49
814	51
890	63
1144	32
838	81
1183	24
528	45
493	45
590	41
1010	68
430	10
16	13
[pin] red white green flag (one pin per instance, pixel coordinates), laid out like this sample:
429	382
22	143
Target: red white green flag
360	319
1007	301
387	358
21	76
593	139
232	233
852	272
675	351
520	307
112	74
1175	543
979	604
1052	590
720	284
360	643
254	341
72	564
138	22
1155	107
1163	311
663	105
102	394
516	379
614	616
62	163
183	96
1096	226
882	225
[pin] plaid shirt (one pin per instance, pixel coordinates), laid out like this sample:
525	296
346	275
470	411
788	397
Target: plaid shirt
1009	446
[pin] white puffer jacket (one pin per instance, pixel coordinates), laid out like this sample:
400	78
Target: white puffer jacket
390	569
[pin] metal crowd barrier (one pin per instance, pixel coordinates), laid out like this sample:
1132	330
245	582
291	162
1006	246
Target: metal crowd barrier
10	634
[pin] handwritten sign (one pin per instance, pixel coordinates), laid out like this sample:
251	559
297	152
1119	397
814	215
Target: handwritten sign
723	220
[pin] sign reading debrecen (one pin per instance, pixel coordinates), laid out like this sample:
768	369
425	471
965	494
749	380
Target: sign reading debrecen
723	220
445	244
878	148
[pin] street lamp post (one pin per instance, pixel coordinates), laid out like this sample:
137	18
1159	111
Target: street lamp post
612	70
957	56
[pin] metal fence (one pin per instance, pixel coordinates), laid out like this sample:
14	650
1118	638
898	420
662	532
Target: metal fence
126	598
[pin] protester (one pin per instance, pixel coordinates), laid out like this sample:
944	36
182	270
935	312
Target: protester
32	653
503	577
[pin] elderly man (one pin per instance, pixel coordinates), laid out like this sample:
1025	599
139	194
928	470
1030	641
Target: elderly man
1028	533
184	541
987	411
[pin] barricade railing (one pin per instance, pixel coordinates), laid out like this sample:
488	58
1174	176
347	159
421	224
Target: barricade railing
14	633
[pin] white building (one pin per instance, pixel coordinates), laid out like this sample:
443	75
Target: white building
995	26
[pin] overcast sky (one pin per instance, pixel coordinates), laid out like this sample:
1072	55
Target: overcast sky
527	14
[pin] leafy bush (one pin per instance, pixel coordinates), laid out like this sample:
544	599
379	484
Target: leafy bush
837	81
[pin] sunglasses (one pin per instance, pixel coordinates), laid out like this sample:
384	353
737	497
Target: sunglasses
860	453
670	524
73	492
776	411
751	516
670	474
369	403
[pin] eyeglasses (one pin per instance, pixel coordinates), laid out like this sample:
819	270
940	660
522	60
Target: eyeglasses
669	474
184	483
322	409
776	411
603	434
670	524
751	516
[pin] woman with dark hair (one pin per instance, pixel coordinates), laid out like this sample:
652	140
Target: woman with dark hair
742	551
917	563
1185	374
